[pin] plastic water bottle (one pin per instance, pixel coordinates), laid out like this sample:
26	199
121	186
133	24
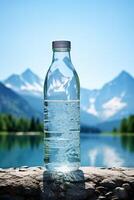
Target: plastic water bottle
62	111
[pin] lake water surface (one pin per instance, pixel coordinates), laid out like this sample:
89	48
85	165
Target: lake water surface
96	150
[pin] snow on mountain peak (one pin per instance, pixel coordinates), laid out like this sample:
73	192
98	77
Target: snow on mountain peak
92	109
27	82
112	106
113	101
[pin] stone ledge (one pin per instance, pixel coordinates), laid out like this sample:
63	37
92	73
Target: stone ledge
34	183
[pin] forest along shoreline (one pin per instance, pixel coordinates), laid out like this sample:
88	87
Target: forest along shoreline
10	123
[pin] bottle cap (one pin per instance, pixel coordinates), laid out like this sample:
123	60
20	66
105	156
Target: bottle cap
61	44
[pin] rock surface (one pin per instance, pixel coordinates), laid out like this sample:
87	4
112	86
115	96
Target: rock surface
91	183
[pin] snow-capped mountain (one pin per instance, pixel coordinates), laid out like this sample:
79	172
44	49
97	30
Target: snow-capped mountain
110	103
114	100
13	103
26	83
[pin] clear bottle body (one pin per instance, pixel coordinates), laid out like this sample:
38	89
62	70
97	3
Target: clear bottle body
62	114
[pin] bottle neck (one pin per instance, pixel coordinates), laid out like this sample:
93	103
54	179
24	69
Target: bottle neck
61	54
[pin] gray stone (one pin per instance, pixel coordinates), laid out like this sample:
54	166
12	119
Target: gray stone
101	189
97	193
115	198
126	186
89	185
39	178
76	194
47	194
33	183
109	195
108	183
102	198
120	193
23	169
90	188
6	197
118	181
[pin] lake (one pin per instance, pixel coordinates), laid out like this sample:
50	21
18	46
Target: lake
101	150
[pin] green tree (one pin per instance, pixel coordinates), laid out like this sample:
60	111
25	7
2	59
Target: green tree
9	122
13	124
2	124
23	125
114	130
124	126
39	125
131	124
32	126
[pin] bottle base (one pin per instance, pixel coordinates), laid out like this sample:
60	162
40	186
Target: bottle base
62	167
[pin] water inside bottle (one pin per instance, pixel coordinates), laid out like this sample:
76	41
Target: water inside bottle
62	129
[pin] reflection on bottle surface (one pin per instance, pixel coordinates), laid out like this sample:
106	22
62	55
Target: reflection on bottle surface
62	112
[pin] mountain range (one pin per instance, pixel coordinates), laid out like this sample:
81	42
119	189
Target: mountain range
13	103
103	108
25	83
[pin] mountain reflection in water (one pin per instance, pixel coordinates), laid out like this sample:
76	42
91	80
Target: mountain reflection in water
96	150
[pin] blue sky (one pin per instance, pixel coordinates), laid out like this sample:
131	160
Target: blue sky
101	32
